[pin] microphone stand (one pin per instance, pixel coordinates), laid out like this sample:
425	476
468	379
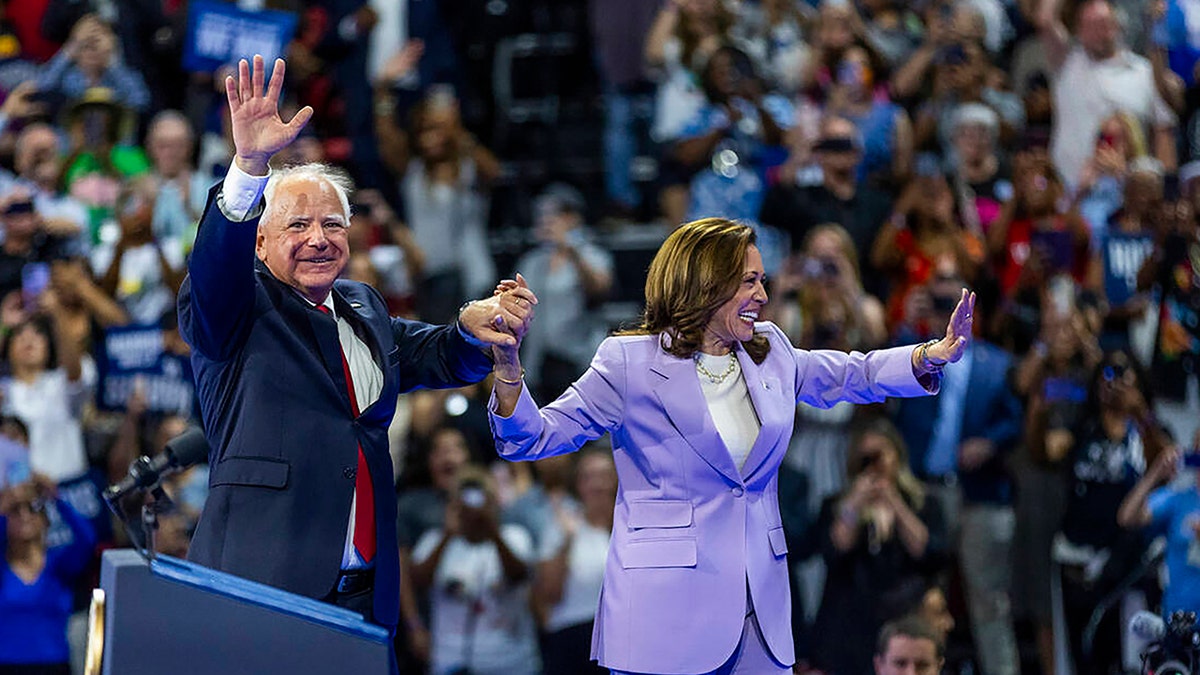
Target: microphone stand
159	503
142	536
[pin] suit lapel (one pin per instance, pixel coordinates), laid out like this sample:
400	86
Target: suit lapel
765	394
681	398
328	346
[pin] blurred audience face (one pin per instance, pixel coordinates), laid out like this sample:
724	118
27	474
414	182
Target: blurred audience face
19	216
965	67
945	290
835	26
908	656
30	348
1117	375
135	212
169	144
876	455
1040	189
36	156
447	454
96	49
438	128
855	72
722	79
1061	334
826	259
552	220
596	479
843	156
302	235
935	207
27	521
967	24
1097	29
974	143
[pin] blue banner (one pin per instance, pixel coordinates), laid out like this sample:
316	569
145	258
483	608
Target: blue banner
135	356
219	33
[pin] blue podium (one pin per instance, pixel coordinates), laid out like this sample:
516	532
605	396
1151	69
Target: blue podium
172	616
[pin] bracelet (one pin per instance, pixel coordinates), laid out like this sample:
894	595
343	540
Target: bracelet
512	383
928	363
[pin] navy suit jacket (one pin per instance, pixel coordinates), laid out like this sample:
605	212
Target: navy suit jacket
991	411
277	414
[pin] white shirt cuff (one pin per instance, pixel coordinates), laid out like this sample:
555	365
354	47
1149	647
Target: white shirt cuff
240	198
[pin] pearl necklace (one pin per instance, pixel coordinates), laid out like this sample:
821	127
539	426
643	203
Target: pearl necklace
714	377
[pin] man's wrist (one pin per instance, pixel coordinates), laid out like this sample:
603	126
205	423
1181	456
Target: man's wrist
465	332
255	167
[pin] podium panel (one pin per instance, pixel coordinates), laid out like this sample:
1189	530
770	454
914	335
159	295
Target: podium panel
172	616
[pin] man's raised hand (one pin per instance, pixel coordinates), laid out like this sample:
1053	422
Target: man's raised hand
258	131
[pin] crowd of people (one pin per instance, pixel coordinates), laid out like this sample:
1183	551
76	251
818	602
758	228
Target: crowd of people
887	154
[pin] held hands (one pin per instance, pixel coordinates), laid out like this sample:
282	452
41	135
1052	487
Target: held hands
258	131
503	319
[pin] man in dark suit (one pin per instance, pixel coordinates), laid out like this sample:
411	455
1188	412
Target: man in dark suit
298	372
958	443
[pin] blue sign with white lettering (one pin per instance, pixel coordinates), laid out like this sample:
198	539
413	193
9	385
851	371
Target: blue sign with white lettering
219	33
135	356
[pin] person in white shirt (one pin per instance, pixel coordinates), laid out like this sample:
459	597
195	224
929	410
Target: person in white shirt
477	574
1093	77
571	571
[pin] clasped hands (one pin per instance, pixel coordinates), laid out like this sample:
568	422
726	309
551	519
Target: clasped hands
502	321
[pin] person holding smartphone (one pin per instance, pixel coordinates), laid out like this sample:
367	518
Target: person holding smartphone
477	573
882	538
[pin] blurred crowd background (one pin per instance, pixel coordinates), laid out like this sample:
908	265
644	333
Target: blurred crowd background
1045	153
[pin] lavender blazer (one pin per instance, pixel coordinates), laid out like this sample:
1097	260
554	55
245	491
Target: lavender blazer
690	531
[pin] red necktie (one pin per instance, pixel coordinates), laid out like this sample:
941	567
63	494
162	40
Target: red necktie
364	493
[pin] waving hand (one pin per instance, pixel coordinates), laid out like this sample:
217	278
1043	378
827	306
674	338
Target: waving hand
258	131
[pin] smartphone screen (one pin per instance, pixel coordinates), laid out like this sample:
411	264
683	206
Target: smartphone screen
35	277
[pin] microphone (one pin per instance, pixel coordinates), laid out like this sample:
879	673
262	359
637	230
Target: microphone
1147	626
180	452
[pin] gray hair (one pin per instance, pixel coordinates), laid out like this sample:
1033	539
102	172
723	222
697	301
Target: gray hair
337	178
978	114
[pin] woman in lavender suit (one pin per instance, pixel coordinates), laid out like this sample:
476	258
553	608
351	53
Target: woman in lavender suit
699	400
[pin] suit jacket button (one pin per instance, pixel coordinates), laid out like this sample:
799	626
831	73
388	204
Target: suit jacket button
737	491
349	472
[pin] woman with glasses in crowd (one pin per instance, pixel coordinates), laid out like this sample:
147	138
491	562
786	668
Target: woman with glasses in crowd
37	581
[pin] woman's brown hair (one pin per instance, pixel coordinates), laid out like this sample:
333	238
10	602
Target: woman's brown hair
908	484
696	270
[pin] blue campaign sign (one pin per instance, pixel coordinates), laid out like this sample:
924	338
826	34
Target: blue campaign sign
219	33
136	354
